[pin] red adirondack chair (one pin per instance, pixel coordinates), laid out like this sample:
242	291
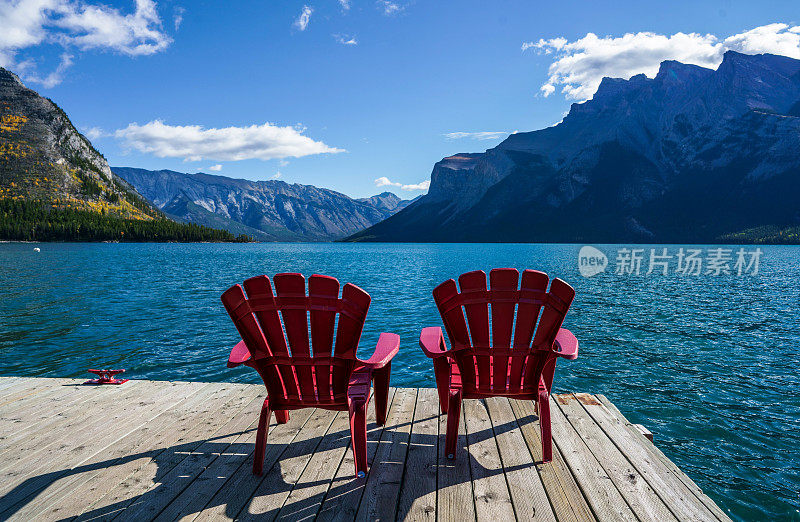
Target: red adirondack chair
475	367
324	373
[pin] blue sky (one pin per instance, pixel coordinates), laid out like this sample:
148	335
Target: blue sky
151	78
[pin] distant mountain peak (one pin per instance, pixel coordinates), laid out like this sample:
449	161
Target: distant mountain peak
268	210
692	154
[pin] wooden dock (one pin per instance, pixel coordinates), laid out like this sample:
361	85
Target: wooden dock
178	450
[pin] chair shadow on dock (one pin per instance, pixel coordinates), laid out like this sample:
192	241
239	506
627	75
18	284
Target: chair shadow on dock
212	477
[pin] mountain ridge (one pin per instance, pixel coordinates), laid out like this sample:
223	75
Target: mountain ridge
271	210
692	154
55	186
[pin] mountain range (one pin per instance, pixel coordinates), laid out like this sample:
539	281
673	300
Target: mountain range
691	155
270	210
54	185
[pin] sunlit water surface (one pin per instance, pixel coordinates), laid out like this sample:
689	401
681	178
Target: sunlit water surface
708	364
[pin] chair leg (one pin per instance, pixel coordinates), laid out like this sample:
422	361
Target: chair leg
282	416
380	379
358	434
261	438
441	368
453	420
544	425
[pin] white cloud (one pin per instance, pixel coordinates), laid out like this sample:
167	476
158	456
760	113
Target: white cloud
345	39
194	143
177	19
215	168
580	65
27	69
486	135
94	133
390	8
76	24
383	181
303	18
345	4
277	175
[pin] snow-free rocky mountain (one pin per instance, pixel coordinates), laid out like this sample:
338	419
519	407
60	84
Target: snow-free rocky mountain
270	210
691	155
44	158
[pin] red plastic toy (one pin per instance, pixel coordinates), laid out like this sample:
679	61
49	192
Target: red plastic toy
323	373
106	377
475	367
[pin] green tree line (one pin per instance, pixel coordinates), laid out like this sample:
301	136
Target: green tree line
37	221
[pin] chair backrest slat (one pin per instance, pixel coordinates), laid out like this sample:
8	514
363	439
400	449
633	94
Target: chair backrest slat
291	291
502	366
354	306
448	300
323	294
291	334
262	301
504	284
474	297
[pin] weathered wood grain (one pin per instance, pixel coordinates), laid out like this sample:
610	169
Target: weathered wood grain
382	489
183	451
563	492
418	494
526	488
605	499
641	498
344	496
489	486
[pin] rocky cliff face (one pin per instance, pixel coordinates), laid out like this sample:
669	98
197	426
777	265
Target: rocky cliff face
689	155
268	210
43	157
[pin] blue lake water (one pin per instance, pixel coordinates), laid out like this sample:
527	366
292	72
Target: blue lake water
708	363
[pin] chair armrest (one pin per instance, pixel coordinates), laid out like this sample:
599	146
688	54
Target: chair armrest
432	342
239	355
387	347
566	344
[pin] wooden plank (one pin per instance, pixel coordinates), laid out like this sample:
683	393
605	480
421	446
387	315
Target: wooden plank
492	498
309	492
454	496
22	400
671	466
604	498
418	493
93	478
563	492
27	475
145	472
234	495
527	491
184	450
321	474
194	498
16	388
41	419
382	488
26	449
278	481
641	498
675	493
12	384
159	495
344	495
